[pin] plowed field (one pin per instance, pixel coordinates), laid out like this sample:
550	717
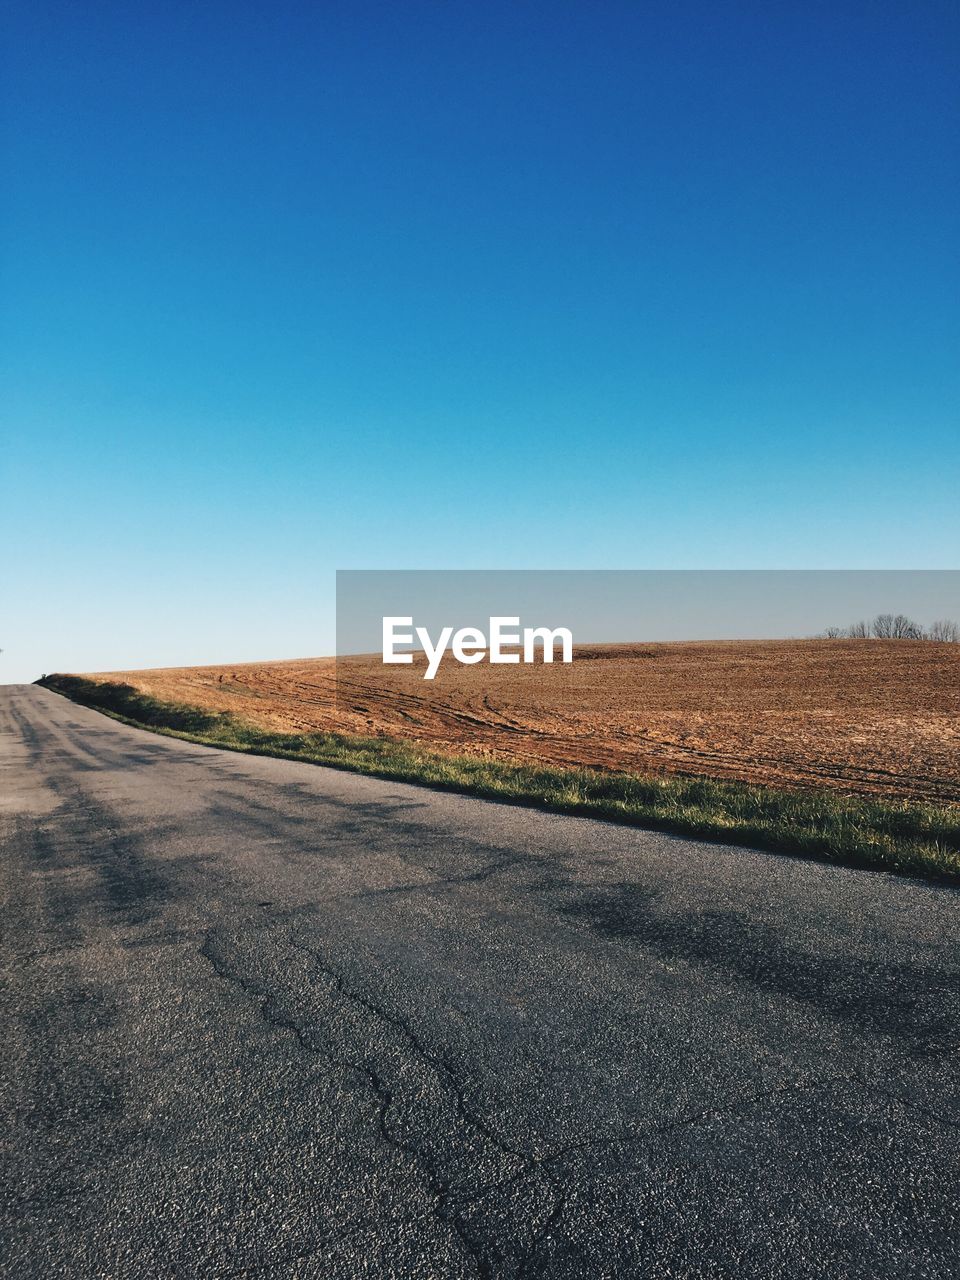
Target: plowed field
869	717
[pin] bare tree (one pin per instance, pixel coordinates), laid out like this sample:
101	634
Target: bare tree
833	633
895	626
858	631
882	626
905	628
945	631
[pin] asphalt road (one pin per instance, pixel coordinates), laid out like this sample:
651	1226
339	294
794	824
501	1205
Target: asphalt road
270	1020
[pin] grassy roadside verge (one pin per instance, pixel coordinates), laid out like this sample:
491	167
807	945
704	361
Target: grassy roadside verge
907	838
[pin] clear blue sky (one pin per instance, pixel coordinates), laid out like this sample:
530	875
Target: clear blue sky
293	287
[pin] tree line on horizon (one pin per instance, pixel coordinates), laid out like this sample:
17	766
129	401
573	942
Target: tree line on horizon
897	626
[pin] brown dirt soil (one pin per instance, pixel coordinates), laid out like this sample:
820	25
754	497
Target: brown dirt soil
867	717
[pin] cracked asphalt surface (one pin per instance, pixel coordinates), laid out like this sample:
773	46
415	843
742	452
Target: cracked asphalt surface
271	1020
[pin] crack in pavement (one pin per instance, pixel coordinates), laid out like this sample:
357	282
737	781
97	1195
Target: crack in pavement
449	1205
446	1202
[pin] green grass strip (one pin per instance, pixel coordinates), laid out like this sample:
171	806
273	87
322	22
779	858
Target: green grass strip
896	836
